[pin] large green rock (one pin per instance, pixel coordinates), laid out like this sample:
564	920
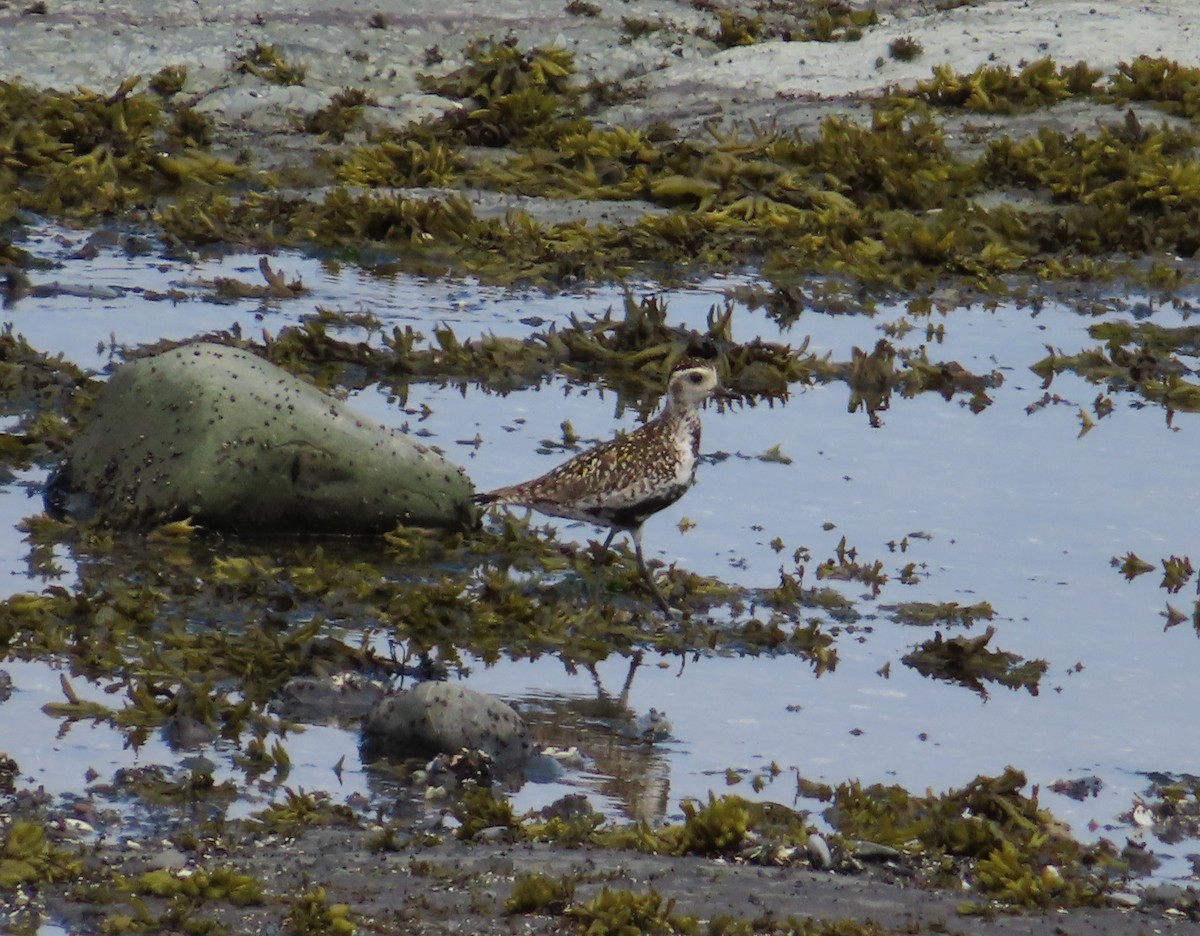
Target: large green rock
236	443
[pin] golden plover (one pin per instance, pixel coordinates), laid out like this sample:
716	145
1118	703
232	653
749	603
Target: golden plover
622	482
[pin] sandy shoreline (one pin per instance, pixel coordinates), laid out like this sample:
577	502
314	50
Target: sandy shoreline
679	76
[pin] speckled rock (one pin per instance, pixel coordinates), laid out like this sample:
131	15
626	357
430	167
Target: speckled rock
443	718
234	442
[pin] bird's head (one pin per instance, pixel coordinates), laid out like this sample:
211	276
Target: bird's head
691	382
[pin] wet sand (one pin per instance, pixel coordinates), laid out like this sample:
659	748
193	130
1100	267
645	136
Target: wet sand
456	887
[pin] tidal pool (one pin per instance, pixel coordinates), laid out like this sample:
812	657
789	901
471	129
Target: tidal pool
1010	505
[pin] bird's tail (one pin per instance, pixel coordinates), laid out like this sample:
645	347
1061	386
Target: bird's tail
485	497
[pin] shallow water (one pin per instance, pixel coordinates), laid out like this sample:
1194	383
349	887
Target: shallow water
1013	508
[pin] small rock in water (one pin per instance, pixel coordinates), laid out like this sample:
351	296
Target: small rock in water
440	718
185	732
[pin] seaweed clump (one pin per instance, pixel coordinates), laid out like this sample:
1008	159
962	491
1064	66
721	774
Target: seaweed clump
632	349
969	662
830	21
266	62
1012	849
947	613
888	204
616	910
1177	573
342	114
1173	87
996	89
540	893
509	95
1151	360
44	396
27	857
83	153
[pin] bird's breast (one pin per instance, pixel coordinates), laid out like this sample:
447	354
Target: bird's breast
686	442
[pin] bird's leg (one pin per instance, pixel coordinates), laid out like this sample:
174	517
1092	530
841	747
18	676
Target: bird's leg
636	533
595	580
622	701
634	662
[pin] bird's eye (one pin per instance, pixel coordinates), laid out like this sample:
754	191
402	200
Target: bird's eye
696	378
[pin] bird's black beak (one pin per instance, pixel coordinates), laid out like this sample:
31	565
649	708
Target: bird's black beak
725	398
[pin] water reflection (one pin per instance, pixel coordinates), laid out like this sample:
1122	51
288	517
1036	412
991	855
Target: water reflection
871	379
624	760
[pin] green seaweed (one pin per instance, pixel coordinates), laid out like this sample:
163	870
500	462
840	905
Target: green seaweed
1177	572
312	914
616	910
481	809
890	205
715	828
511	95
947	613
995	89
736	29
220	883
169	80
841	203
343	113
1000	840
1173	87
401	163
968	662
540	893
1131	566
830	21
265	62
844	566
84	153
27	857
905	49
155	785
1142	357
299	810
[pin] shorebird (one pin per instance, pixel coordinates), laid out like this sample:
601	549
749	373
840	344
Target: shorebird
620	483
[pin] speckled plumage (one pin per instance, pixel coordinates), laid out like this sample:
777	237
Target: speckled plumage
620	483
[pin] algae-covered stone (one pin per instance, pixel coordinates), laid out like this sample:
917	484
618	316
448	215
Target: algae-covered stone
440	718
234	442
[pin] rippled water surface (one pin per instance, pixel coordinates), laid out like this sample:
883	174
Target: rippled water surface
1011	507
